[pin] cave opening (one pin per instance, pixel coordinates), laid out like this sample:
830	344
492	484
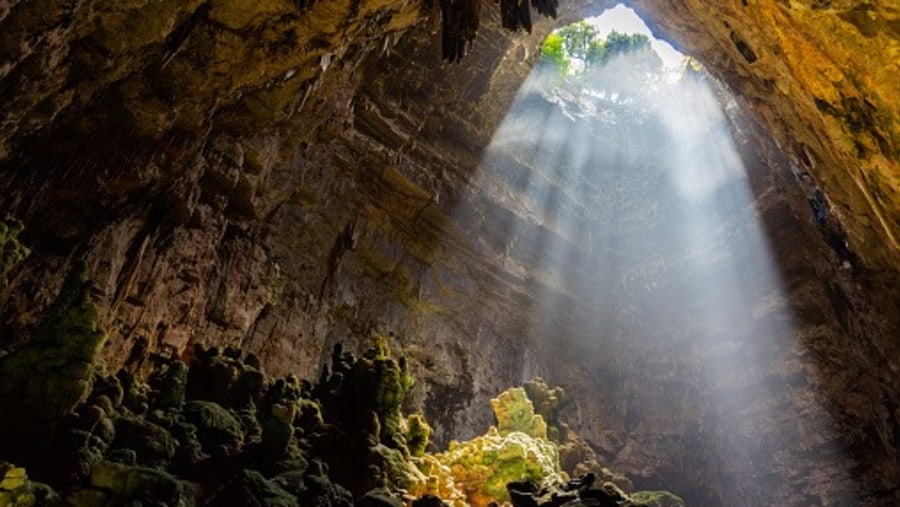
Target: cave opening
633	201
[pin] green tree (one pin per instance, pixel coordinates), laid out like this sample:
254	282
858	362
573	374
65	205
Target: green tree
620	43
553	53
580	42
637	46
578	39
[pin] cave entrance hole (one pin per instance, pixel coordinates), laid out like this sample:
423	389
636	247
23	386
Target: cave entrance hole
625	203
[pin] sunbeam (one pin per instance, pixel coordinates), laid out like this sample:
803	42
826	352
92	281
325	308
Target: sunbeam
632	212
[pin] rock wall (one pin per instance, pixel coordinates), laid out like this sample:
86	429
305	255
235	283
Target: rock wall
821	77
225	184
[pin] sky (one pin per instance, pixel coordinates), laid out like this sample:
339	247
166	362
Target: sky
624	20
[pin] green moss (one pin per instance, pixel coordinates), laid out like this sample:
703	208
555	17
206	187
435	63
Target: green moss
88	498
251	488
546	400
393	468
657	499
277	429
12	477
128	483
515	412
54	373
15	489
390	387
482	467
361	398
517	449
310	416
72	322
375	384
418	433
219	431
173	385
152	444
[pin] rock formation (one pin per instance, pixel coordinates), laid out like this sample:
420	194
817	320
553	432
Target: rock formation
284	176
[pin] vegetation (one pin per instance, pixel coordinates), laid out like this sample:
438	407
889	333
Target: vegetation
554	55
578	49
54	373
657	499
217	431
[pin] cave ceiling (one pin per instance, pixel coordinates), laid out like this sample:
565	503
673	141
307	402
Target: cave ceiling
822	76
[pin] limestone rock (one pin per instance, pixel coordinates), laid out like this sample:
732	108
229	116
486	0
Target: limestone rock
218	430
287	175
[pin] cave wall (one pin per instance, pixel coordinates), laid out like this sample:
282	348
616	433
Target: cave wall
292	174
226	184
822	76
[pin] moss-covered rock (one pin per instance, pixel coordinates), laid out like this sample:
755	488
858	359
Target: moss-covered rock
657	499
135	394
362	399
576	457
131	441
219	431
547	402
483	466
45	381
88	498
72	456
391	467
312	487
418	433
379	498
515	413
309	418
15	489
278	429
53	374
249	488
125	484
153	445
109	387
225	380
439	481
189	452
12	477
172	384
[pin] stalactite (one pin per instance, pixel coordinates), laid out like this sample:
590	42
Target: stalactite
460	20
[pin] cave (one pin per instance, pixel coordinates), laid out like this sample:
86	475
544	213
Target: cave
268	189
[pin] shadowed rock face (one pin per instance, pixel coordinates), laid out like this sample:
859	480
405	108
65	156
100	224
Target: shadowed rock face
287	175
